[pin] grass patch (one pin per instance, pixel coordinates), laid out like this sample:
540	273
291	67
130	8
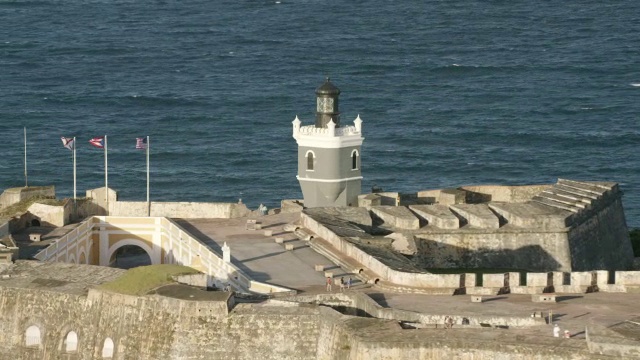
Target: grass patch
22	206
142	279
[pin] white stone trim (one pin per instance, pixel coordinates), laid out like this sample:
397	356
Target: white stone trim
330	137
329	180
323	142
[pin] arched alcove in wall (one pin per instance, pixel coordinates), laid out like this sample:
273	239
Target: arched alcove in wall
33	336
71	342
107	348
128	256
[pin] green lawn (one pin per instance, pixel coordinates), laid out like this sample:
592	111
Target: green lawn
142	279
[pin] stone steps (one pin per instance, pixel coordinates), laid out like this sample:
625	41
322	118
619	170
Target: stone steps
551	195
549	202
576	192
594	189
571	195
325	249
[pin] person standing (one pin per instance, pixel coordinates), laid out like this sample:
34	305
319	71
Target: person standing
342	284
328	284
349	283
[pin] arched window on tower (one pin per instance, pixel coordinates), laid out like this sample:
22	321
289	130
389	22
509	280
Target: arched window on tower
310	160
354	160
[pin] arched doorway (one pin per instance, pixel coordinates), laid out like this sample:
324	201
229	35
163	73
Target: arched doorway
129	256
35	222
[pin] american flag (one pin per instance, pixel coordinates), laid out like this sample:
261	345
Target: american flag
97	142
141	143
68	142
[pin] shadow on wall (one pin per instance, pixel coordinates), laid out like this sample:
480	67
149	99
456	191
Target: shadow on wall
472	197
434	254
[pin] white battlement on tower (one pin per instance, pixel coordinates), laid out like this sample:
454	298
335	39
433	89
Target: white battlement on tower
310	135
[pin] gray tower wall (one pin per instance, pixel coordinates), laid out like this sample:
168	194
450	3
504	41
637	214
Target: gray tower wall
330	164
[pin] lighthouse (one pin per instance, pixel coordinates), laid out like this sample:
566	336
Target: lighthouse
329	157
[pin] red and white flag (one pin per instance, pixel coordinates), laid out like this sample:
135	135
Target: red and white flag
141	143
97	142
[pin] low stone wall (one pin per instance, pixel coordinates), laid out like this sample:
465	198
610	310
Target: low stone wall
386	273
510	194
359	304
183	210
15	195
49	215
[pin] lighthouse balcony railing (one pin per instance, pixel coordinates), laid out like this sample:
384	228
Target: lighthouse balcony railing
341	131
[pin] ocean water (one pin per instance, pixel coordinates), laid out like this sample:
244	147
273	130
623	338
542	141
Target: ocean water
451	93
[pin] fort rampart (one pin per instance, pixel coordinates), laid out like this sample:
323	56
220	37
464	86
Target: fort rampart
49	324
373	270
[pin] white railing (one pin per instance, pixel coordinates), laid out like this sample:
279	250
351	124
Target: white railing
340	131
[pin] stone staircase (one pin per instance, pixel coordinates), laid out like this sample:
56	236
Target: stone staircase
573	196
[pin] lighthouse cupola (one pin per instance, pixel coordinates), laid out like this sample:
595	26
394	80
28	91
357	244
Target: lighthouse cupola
327	105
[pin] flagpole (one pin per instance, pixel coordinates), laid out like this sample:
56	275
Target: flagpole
74	169
26	182
106	172
148	202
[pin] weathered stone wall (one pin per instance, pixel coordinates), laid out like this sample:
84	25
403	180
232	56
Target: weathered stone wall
511	194
152	327
15	195
527	250
184	210
370	262
4	229
49	215
602	241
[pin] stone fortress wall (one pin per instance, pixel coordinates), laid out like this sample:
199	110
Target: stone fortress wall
150	327
96	239
184	210
46	322
15	195
372	270
567	226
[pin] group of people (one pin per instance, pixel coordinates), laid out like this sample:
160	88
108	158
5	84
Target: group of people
556	332
343	283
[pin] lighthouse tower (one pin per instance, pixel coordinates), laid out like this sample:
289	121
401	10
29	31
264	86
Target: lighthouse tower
329	154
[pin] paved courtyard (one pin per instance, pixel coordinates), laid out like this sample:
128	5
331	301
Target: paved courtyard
259	256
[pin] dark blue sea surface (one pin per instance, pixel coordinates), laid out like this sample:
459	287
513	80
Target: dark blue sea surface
451	93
